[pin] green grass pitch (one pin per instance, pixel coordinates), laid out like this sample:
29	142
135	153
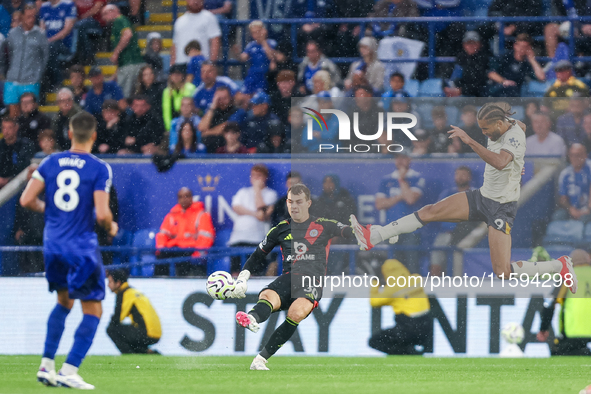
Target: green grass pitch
397	374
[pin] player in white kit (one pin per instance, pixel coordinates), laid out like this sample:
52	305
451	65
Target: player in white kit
494	203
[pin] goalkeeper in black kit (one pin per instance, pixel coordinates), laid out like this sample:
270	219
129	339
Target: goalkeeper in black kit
304	242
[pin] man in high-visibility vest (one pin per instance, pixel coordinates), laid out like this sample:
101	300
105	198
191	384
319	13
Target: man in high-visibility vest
575	314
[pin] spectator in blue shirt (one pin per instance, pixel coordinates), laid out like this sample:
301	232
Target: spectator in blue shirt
221	112
57	18
570	125
574	187
399	195
193	50
262	56
209	83
102	91
256	125
187	115
396	89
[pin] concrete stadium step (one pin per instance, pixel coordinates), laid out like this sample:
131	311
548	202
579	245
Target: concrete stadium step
168	3
150	28
161	17
49	109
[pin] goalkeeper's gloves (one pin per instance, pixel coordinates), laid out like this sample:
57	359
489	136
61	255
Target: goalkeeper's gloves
240	286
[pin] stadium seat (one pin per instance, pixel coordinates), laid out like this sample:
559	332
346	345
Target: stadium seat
424	111
564	232
453	115
431	88
412	87
221	263
145	238
124	239
537	89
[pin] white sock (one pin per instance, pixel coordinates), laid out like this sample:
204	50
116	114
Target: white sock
48	364
69	369
407	224
539	267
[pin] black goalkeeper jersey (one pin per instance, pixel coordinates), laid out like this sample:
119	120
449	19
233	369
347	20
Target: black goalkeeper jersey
304	246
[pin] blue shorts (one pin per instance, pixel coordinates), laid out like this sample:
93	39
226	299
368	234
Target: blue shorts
82	274
13	91
253	83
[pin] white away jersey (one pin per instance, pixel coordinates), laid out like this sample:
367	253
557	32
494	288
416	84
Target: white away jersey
504	185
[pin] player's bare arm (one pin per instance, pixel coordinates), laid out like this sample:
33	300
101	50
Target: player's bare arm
497	160
104	216
30	197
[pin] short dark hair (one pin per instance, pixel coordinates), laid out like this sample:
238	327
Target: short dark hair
465	168
396	74
293	174
25	94
226	88
118	275
78	69
232	127
10	120
367	88
46	134
111	104
469	108
140	97
261	168
193	44
524	37
83	125
299	188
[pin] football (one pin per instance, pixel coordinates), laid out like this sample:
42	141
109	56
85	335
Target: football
219	285
513	333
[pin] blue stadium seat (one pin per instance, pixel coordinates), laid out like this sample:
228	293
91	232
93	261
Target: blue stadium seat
431	88
564	232
453	115
412	87
145	238
123	238
424	111
587	233
222	263
537	89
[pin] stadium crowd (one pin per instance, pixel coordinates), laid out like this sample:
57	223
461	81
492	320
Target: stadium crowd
181	104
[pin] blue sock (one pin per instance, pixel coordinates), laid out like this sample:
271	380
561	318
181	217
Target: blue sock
82	340
55	329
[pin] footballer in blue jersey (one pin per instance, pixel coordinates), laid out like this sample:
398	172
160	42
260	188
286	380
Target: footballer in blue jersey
77	186
262	56
55	15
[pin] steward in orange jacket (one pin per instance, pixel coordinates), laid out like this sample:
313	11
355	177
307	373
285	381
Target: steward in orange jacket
187	225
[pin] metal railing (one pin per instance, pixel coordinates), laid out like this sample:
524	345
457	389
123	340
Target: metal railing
431	22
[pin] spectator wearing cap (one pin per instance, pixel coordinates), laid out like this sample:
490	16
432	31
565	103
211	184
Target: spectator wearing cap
321	134
281	98
110	129
369	64
423	143
143	129
187	114
172	96
316	61
126	51
77	77
262	55
275	141
232	138
102	90
152	55
470	73
31	121
509	72
60	124
221	111
210	82
256	125
565	86
23	61
196	59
